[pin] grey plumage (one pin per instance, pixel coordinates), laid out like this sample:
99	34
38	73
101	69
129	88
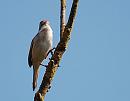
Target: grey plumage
40	46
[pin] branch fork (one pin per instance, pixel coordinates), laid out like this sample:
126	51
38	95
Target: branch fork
65	32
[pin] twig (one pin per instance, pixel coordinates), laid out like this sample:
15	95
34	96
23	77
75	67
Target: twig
62	17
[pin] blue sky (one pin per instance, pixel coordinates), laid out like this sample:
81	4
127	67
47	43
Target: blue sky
96	65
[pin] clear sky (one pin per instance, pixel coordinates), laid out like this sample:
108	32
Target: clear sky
96	65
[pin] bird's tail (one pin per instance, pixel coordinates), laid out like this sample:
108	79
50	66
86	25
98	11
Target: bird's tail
35	76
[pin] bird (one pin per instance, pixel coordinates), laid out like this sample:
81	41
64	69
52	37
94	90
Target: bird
40	46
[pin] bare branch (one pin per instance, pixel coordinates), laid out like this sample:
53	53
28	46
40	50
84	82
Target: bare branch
58	53
62	17
72	14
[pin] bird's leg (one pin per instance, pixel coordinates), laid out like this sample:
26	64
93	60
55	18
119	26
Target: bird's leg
50	51
44	65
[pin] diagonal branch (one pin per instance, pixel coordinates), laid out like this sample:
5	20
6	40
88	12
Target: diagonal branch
56	57
62	17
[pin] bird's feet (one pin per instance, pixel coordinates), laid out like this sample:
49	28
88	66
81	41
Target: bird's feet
49	88
50	51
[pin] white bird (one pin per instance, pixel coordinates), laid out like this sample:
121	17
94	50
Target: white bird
40	46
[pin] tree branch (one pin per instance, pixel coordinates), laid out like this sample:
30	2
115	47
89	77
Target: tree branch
56	57
62	17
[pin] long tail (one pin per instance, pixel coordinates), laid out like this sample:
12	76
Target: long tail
35	76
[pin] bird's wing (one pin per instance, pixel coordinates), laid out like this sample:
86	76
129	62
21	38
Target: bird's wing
30	55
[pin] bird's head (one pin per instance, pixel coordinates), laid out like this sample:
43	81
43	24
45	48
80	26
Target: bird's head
43	23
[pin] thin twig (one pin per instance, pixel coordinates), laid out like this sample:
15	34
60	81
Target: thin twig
62	17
